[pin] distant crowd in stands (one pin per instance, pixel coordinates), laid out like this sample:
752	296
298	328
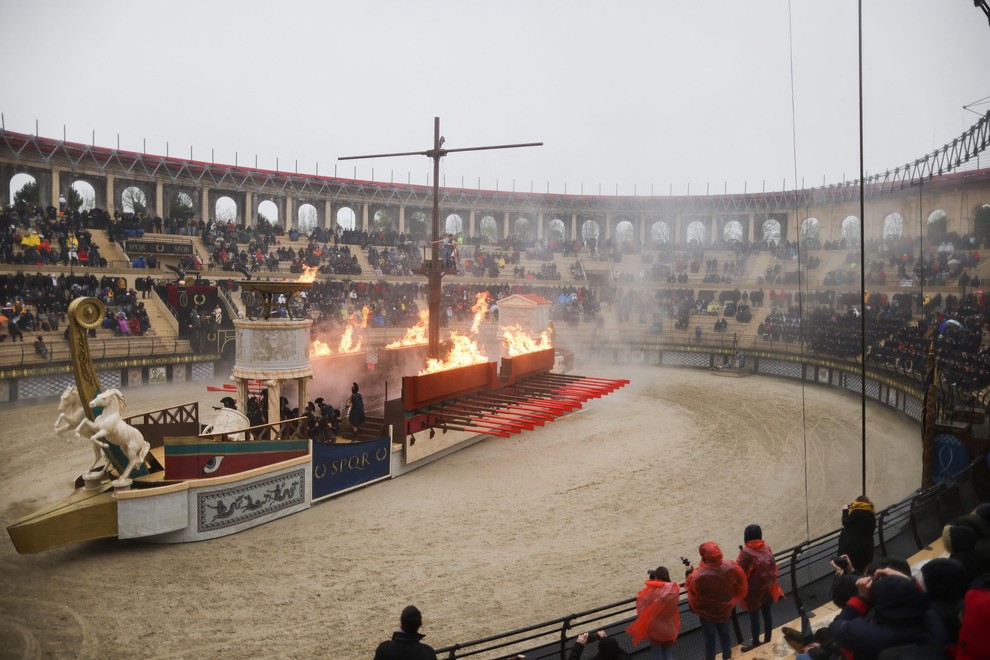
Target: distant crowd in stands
32	236
38	303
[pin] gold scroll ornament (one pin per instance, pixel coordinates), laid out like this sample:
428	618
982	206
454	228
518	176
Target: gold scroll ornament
84	314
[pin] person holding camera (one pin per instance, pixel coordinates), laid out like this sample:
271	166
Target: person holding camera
658	620
713	589
757	561
890	609
859	522
608	648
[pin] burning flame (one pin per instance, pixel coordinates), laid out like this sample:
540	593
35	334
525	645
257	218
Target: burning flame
416	335
308	274
480	310
463	352
519	342
349	343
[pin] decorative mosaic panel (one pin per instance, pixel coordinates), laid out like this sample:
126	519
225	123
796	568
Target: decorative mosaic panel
679	359
823	375
780	368
913	407
202	370
109	380
872	389
54	385
226	507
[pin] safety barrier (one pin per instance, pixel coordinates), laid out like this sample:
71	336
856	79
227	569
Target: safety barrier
805	574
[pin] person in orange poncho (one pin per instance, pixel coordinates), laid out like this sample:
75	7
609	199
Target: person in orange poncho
713	590
756	560
658	620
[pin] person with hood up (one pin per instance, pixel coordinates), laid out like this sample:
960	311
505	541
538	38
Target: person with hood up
756	560
859	521
658	621
713	590
406	642
889	610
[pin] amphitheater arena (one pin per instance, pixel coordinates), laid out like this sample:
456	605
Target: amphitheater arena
505	532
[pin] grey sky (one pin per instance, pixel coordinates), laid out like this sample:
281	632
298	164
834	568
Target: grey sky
630	93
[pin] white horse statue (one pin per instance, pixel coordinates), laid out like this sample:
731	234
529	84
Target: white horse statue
114	429
71	416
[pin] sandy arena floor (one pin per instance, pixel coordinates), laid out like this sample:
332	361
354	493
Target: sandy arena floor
499	535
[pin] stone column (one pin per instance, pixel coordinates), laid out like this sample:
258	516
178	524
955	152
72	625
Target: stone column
56	186
364	217
574	230
160	199
204	204
303	384
111	199
471	233
608	226
248	208
752	228
274	392
539	226
505	221
402	219
290	221
328	222
642	229
242	395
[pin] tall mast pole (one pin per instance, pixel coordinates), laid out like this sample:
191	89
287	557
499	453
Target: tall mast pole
434	269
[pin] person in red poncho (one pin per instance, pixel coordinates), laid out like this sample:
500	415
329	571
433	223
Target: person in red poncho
658	620
713	590
756	560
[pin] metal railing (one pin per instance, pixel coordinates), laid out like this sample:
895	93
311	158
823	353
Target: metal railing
805	572
23	354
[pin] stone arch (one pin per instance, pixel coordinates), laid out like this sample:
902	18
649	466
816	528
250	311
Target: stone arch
269	211
850	230
453	224
489	229
981	221
810	231
382	221
418	226
660	232
308	219
134	200
893	225
556	230
347	218
938	225
18	181
225	210
732	232
696	232
181	205
625	232
87	194
522	229
770	231
590	232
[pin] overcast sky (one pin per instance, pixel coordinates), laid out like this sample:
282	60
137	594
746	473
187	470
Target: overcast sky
638	93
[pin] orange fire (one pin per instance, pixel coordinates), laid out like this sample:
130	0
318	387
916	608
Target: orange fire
479	309
463	352
519	342
351	339
416	335
308	274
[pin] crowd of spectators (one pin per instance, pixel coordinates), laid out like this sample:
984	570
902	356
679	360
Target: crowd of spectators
31	236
